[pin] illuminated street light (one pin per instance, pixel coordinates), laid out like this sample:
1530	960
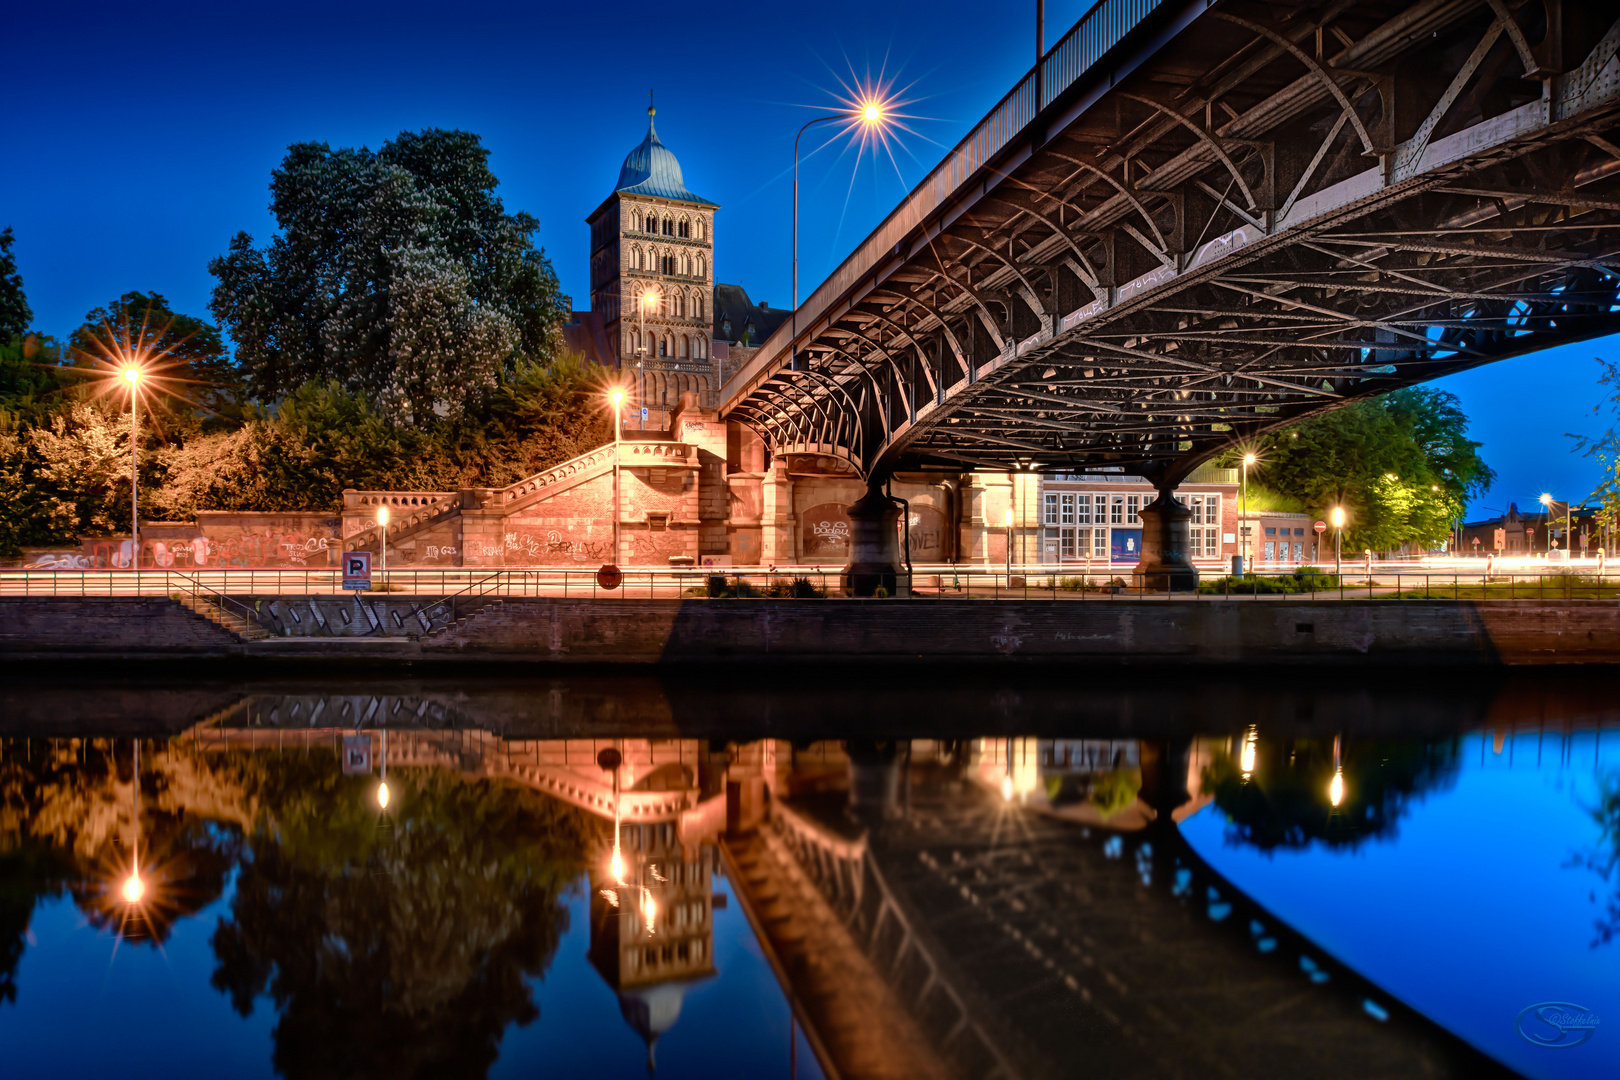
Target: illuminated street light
872	114
1336	788
616	395
1249	751
382	542
133	373
1338	541
383	795
134	888
1007	787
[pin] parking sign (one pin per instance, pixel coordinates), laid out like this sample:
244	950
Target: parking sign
357	570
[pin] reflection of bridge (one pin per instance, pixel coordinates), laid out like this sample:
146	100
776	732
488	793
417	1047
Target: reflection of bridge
1194	223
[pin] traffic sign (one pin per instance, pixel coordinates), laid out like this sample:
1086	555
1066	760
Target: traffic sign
609	576
357	570
1320	527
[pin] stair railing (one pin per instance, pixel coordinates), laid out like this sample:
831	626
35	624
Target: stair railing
481	587
215	597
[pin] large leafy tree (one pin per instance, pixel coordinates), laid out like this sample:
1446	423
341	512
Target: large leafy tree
1401	465
15	314
397	273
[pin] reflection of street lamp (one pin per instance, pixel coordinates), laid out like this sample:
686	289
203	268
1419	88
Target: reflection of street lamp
132	375
1336	785
870	114
616	395
1338	540
609	760
134	888
1246	756
383	794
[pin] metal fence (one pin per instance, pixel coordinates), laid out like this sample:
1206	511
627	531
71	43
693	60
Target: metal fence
812	582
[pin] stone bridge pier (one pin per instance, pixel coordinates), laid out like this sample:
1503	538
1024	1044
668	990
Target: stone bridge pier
874	543
1166	545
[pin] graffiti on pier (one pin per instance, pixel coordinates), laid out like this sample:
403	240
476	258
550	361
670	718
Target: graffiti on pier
826	531
550	549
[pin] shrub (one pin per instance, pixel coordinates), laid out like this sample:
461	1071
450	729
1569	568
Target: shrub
1114	791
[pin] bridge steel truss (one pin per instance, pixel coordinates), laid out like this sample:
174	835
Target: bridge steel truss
1261	213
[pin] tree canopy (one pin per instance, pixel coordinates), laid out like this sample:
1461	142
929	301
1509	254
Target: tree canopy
1401	465
397	273
15	314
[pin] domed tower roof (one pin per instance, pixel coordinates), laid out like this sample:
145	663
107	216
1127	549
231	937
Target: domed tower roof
650	169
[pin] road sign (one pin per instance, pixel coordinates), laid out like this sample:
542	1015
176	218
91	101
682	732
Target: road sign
609	577
644	414
357	570
1320	527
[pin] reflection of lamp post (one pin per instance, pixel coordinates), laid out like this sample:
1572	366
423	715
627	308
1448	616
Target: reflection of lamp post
1336	785
870	114
610	759
1246	755
132	375
134	888
383	794
616	395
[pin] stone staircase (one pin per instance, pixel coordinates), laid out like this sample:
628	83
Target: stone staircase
462	620
235	625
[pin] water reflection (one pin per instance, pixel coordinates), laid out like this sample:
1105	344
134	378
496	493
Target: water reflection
393	880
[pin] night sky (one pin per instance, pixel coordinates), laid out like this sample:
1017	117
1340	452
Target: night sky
141	138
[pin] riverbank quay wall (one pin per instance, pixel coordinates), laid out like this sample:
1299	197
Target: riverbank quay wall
571	632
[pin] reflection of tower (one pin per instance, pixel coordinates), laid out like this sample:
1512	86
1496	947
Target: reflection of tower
659	939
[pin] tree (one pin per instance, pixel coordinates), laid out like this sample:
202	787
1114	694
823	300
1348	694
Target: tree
1606	447
191	367
397	273
1401	465
15	314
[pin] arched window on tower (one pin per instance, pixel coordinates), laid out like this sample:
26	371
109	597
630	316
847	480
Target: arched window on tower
698	349
663	346
669	227
697	306
702	229
683	228
702	266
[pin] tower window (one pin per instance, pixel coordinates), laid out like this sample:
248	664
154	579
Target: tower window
669	227
663	347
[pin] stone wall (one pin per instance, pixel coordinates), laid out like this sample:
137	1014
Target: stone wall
106	627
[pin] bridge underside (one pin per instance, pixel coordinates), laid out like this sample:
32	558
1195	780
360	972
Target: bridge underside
1269	214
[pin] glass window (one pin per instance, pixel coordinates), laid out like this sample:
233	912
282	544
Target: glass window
1050	516
1066	543
1099	543
1068	509
1212	543
1195	503
1083	510
1116	510
1271	532
1271	550
1133	503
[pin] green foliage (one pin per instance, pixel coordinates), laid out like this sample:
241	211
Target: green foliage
1304	579
1606	447
1115	790
397	273
1401	465
15	314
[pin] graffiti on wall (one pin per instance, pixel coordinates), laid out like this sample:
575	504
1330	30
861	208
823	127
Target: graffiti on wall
549	548
927	526
826	532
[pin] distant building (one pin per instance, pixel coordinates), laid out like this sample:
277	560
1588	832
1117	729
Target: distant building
1519	533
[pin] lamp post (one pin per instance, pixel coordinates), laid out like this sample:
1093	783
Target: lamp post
872	115
648	299
132	375
382	544
1009	522
616	395
1546	516
1248	553
1338	542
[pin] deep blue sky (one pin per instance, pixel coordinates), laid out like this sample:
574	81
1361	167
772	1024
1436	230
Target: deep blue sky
141	138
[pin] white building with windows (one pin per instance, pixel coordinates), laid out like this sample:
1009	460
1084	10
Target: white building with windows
1091	518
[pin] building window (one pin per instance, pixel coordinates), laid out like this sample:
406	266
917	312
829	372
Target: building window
699	350
702	266
663	347
1083	509
1099	547
1051	509
669	227
697	306
1116	509
1133	503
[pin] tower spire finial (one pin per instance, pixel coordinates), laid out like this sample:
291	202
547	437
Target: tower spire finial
650	110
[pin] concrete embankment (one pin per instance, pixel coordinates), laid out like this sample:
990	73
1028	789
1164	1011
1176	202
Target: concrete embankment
1149	633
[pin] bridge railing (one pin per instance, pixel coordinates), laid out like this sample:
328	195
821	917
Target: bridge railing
1102	27
1098	582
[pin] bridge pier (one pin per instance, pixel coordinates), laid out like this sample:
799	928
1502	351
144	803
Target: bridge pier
1166	546
874	546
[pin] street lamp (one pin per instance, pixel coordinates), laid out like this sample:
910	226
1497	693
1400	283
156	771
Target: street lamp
1009	524
1248	553
382	544
1336	785
871	114
616	395
1338	541
132	375
648	299
1546	516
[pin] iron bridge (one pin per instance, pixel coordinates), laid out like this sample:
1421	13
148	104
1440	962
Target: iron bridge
1193	223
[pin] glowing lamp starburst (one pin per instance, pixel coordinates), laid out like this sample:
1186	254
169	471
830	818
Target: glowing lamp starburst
383	795
616	866
133	888
1336	788
1006	789
872	113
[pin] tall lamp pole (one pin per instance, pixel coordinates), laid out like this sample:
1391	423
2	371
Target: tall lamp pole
870	114
616	395
382	544
1248	553
132	375
1338	542
1546	516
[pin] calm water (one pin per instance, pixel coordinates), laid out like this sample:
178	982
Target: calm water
947	875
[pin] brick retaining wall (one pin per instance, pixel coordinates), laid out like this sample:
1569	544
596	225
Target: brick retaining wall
1105	633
